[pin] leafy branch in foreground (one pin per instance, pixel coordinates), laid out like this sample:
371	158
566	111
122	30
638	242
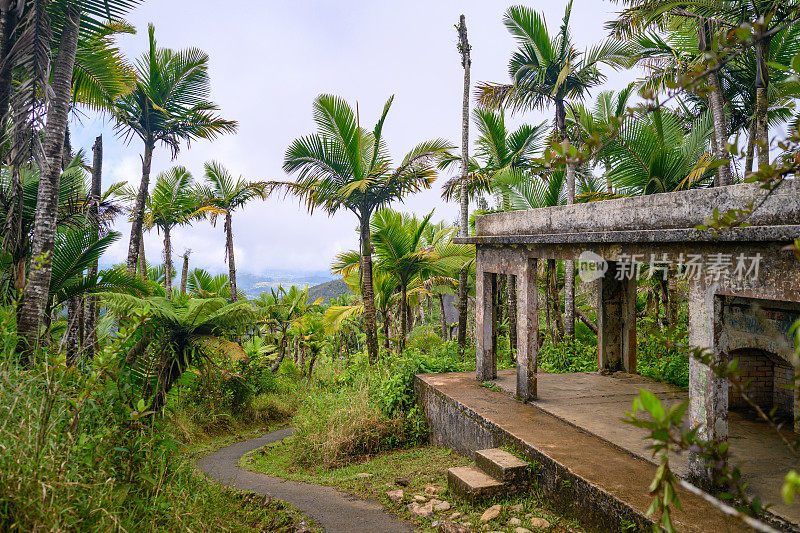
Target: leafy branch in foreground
670	436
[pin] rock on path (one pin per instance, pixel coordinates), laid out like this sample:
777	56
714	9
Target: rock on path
333	510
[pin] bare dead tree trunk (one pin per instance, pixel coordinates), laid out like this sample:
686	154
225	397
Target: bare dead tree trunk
185	271
37	289
137	220
586	320
91	342
463	275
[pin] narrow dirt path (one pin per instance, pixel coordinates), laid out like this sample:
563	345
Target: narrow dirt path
333	510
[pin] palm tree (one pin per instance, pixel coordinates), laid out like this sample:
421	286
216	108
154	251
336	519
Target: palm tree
707	20
397	239
279	311
344	166
172	203
547	70
169	105
202	284
221	197
598	122
663	154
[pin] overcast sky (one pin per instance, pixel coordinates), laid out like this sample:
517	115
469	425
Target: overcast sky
270	59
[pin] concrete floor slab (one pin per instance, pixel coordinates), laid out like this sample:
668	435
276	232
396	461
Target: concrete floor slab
576	429
597	404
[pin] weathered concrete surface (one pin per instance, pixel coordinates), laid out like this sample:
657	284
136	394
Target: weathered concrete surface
473	484
644	236
597	403
665	211
502	465
589	462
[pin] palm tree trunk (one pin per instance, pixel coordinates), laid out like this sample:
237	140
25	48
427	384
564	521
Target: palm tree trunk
463	276
367	291
716	100
37	289
231	260
720	139
168	262
568	325
137	217
403	316
762	85
90	344
751	144
386	331
502	302
558	324
71	344
281	355
569	266
8	24
762	130
442	317
142	258
185	271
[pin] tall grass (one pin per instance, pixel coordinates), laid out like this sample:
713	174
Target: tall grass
76	454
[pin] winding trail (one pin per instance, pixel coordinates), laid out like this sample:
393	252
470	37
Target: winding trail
335	511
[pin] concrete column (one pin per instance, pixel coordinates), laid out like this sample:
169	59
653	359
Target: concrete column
797	396
616	321
527	330
708	394
486	325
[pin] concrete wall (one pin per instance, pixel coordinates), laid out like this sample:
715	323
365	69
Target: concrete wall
457	427
684	209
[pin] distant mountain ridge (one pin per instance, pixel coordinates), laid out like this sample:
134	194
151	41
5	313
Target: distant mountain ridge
255	284
328	290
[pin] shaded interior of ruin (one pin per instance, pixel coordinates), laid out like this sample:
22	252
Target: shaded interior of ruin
768	378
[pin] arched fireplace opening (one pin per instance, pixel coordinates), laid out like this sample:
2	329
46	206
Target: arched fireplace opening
770	376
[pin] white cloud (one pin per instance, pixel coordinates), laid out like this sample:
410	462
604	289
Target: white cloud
270	59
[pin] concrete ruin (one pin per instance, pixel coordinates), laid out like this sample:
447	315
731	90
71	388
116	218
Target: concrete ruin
744	287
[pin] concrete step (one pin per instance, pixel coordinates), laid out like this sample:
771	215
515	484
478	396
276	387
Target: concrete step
503	466
473	484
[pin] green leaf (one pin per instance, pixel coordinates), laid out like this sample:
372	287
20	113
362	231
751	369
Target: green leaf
651	404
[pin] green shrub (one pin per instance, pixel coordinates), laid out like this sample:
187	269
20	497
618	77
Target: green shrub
396	393
342	423
661	361
425	339
571	355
